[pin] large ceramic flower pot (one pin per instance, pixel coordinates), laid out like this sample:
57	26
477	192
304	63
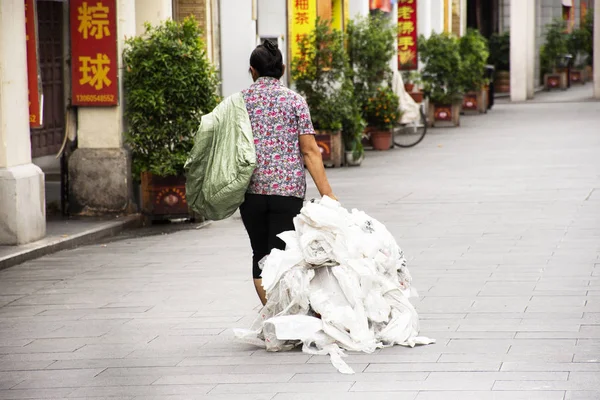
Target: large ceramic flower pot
502	82
381	139
331	145
443	113
164	197
353	161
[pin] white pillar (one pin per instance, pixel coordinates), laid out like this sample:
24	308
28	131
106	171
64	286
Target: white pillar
518	49
597	49
359	7
99	170
152	11
530	26
22	195
424	17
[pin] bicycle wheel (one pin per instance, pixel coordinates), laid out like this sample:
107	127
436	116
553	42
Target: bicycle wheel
410	135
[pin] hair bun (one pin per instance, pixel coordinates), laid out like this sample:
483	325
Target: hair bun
272	47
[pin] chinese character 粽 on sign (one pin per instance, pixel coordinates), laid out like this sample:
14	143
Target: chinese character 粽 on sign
94	52
407	35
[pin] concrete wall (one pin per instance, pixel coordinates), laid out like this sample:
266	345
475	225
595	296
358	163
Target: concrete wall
238	39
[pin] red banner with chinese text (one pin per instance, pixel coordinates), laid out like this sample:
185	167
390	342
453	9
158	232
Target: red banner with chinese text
94	52
33	77
408	57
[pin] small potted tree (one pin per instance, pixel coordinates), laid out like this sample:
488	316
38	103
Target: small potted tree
382	115
474	54
319	74
587	26
576	47
370	48
169	84
552	56
441	77
499	49
411	79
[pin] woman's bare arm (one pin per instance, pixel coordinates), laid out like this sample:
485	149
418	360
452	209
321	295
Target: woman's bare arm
314	163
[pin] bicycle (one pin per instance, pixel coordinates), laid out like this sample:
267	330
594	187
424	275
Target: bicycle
412	133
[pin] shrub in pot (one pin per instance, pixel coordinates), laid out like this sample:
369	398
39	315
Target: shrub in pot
580	46
441	75
553	67
370	47
382	114
320	75
169	84
499	49
474	54
587	26
410	79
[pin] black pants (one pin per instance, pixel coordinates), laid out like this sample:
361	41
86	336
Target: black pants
265	217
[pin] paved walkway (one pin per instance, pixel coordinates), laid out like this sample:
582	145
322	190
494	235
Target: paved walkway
500	220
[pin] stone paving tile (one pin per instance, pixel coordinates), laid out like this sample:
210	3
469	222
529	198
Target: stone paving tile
503	246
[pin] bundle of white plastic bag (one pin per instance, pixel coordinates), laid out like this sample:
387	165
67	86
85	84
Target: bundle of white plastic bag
341	284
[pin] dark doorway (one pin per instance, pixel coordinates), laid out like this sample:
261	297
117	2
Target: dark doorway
483	15
47	140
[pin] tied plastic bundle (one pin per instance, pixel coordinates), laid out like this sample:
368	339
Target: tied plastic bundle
341	284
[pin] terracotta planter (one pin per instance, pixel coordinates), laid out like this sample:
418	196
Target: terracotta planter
578	76
331	146
164	197
443	113
417	96
409	87
502	82
557	80
381	139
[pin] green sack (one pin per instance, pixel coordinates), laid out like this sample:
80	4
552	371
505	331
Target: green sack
222	161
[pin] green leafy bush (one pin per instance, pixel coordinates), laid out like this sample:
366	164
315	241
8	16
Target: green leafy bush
441	74
370	47
587	37
499	49
474	54
555	47
321	73
169	84
318	74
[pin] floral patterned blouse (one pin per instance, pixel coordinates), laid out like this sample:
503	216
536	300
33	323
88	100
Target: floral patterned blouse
278	117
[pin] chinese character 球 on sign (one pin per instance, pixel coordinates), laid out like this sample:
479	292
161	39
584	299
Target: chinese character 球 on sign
93	20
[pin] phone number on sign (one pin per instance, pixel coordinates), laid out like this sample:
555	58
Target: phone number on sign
100	98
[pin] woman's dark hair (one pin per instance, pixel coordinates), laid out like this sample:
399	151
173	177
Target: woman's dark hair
267	60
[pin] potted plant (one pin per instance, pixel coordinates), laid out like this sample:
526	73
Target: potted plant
382	114
169	84
441	77
552	56
499	49
474	54
587	45
370	47
410	79
353	125
319	74
576	45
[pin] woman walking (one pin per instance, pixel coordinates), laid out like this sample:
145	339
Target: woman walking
285	143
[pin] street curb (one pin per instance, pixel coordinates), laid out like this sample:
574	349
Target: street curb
80	239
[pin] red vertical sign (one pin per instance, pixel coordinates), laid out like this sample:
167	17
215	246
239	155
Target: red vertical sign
94	52
33	81
408	58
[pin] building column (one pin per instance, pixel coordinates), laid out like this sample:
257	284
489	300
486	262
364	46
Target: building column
530	27
597	49
152	11
520	25
100	169
359	8
22	193
424	18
